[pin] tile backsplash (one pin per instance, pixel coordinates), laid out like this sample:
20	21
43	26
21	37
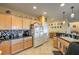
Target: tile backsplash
14	34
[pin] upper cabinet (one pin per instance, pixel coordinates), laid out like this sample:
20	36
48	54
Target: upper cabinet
32	21
16	22
42	19
8	21
26	23
35	21
5	21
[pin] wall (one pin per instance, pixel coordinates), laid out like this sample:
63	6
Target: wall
57	24
74	28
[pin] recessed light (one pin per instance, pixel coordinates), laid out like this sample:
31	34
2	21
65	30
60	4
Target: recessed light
44	13
34	7
62	4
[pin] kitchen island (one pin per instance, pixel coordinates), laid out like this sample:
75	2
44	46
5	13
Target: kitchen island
62	42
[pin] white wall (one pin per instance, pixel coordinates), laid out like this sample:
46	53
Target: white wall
76	24
63	28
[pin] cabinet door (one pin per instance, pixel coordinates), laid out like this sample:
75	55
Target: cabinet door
27	42
64	44
2	21
5	21
61	46
5	47
26	23
55	42
16	45
16	22
33	21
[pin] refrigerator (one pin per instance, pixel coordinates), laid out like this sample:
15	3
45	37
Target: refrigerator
45	31
36	35
40	34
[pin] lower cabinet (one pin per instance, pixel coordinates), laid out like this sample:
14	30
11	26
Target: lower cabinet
16	45
27	42
60	44
5	47
63	45
55	42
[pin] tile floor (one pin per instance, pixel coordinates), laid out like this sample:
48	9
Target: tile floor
45	49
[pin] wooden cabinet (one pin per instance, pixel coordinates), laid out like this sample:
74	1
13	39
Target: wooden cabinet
16	45
26	23
27	42
55	42
66	43
16	22
63	45
60	44
5	21
35	21
32	21
5	47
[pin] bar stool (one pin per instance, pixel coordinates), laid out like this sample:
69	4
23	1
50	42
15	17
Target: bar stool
73	49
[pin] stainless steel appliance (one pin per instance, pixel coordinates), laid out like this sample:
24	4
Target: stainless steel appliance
40	34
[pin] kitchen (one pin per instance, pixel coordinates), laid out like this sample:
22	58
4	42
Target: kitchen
38	29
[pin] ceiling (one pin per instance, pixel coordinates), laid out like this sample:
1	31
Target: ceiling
53	9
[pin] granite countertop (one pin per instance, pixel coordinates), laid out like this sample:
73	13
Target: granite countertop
15	38
22	37
70	39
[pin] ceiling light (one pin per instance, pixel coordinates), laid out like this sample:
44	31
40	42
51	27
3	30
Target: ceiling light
34	7
63	14
62	4
63	22
72	14
44	13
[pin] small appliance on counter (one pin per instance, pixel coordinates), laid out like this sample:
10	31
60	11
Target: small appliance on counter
26	33
20	33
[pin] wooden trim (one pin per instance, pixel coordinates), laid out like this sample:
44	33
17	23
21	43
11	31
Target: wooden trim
65	40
